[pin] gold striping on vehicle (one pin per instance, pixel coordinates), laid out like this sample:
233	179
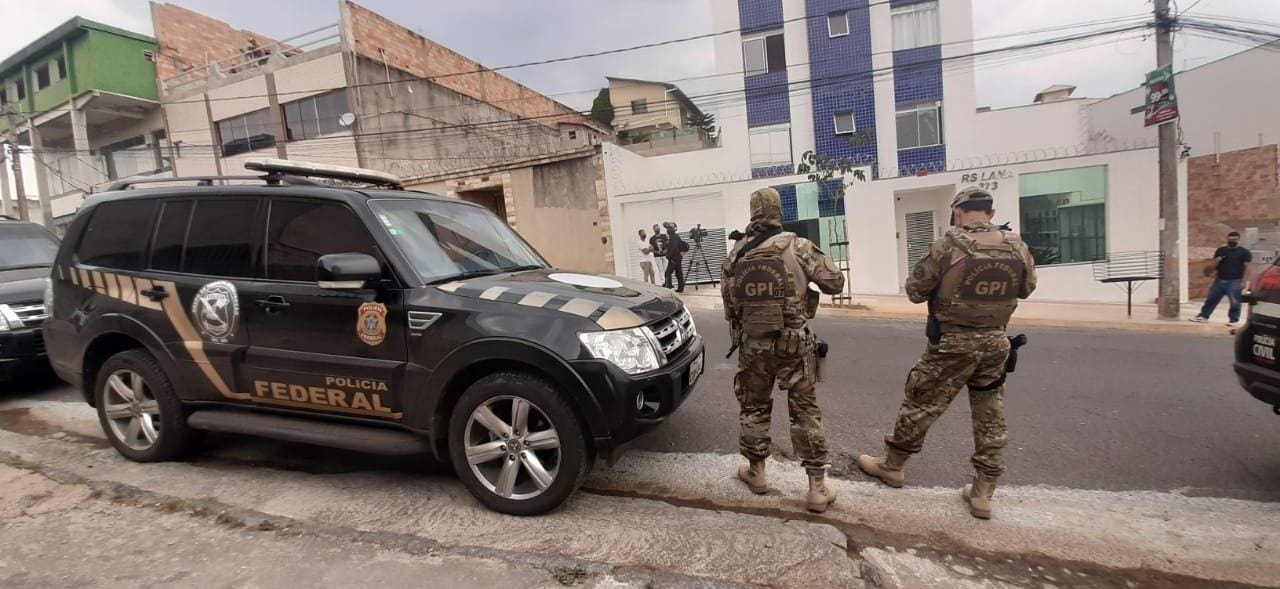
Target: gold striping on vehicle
582	307
492	293
451	287
619	318
536	299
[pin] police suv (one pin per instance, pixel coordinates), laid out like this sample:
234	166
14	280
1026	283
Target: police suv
1256	342
378	320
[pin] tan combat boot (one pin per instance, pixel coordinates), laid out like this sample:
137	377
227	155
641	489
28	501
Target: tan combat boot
888	469
978	495
820	495
753	475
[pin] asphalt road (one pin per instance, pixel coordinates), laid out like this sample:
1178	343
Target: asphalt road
1097	409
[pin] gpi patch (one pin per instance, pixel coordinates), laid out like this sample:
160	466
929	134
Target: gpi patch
371	323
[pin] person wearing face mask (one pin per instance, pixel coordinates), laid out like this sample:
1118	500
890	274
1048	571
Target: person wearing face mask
1231	278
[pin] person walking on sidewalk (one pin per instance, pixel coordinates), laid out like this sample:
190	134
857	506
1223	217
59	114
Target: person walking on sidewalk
646	259
972	279
1231	279
768	304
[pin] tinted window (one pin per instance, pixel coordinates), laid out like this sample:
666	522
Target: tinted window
117	235
220	238
23	245
300	232
171	232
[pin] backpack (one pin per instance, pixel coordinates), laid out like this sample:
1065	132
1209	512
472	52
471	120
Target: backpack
764	292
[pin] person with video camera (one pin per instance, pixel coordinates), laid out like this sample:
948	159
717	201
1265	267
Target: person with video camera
972	279
676	249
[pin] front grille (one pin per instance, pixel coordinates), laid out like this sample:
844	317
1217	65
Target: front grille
37	343
29	314
674	332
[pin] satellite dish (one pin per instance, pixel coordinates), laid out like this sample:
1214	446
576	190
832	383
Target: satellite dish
347	119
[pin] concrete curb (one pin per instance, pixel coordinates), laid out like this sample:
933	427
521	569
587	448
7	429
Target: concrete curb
708	303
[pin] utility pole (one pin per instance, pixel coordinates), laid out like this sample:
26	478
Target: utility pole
1170	234
17	182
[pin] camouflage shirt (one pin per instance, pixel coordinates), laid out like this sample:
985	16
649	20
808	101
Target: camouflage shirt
922	285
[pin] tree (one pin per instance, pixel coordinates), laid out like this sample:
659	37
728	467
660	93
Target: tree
704	121
821	168
602	108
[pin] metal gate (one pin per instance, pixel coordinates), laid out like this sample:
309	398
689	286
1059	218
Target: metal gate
920	231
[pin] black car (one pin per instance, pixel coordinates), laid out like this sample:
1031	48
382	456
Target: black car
26	255
378	320
1256	341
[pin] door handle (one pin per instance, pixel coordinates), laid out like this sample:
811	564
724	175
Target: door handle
273	303
155	293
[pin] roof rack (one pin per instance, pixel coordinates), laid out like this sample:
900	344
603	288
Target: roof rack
306	169
278	172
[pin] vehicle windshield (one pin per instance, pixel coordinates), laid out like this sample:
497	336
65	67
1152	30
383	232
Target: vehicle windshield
26	246
445	240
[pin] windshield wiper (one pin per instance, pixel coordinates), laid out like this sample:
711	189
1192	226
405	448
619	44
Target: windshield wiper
466	275
523	268
25	267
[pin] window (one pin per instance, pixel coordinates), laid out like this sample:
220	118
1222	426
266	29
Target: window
4	97
316	116
220	238
838	24
1063	215
444	239
770	146
915	25
26	246
42	77
20	88
246	133
60	68
844	123
299	232
640	106
919	125
763	53
113	239
130	157
171	234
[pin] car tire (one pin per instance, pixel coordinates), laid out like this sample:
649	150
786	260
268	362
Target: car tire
139	411
549	456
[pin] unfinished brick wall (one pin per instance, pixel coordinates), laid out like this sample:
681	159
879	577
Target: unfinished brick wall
379	39
1238	190
189	40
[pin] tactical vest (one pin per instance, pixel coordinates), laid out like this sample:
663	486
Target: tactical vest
980	283
767	284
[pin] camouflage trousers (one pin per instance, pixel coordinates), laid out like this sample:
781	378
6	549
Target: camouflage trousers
973	358
787	358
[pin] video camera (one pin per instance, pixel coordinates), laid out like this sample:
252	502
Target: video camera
697	233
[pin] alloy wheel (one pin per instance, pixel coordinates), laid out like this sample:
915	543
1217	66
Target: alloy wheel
512	447
132	411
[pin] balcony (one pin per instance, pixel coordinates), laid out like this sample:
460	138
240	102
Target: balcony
665	142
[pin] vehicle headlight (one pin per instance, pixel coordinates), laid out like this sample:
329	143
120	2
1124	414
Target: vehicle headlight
48	297
4	321
632	350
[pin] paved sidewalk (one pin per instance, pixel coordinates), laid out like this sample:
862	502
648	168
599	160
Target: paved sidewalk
1030	313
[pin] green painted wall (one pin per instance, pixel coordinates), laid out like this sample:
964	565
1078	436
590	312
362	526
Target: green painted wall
118	65
57	93
1084	184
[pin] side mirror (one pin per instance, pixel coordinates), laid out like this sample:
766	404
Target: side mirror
347	271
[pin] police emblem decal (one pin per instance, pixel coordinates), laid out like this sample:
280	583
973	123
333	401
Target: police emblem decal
216	311
371	323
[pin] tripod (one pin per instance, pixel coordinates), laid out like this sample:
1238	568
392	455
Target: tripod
699	255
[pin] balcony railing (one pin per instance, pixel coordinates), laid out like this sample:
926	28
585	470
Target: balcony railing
669	141
254	57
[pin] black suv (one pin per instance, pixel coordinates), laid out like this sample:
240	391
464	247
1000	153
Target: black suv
378	320
26	254
1256	341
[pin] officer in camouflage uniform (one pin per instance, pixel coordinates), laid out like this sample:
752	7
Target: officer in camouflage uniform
972	279
768	302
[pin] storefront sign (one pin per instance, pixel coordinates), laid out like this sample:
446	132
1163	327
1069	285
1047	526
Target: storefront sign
986	179
1162	102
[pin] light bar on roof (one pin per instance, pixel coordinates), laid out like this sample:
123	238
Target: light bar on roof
292	168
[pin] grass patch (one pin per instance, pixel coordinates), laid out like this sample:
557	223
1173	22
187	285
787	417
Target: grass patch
570	577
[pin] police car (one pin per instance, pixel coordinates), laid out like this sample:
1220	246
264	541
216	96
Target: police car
371	319
1256	342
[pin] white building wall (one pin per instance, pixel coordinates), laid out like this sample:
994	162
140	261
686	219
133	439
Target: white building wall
959	87
1228	99
795	35
886	106
1046	128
